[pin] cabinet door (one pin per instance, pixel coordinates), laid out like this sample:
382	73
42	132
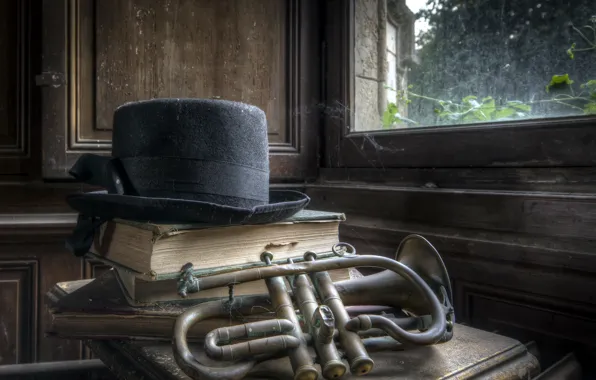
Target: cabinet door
32	261
14	88
101	54
18	294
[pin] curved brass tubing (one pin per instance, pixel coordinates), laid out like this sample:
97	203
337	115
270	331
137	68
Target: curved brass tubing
187	361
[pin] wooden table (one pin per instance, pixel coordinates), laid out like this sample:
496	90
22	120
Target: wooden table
472	353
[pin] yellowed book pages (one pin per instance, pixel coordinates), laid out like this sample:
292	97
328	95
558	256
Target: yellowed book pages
155	251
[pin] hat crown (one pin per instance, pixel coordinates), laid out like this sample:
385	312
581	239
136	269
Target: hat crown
205	129
206	150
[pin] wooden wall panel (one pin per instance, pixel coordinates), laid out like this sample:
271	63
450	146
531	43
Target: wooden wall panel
56	265
522	263
501	307
262	52
557	326
18	295
93	269
14	82
32	260
532	213
227	49
565	180
9	129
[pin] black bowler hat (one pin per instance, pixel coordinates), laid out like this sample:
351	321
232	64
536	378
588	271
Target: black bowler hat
199	161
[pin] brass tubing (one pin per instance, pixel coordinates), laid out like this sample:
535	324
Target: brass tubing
300	358
360	362
366	322
267	345
184	358
407	323
329	359
351	292
384	343
433	334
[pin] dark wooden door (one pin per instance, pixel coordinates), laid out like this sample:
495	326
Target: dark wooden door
32	261
15	152
101	54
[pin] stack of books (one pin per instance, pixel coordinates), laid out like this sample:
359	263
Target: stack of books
139	296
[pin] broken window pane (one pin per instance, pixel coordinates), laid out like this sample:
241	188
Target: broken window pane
421	63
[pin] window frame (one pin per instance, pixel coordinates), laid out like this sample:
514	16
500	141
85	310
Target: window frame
552	142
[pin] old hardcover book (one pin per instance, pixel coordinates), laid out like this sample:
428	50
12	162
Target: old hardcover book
97	309
148	257
151	250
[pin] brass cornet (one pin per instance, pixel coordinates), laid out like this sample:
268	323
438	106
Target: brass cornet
416	283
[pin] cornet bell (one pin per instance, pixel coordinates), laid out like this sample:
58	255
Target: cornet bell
419	254
313	314
387	288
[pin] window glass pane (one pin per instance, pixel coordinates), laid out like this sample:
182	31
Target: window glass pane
420	63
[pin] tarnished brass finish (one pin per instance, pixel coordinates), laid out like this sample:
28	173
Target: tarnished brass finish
250	330
420	289
302	363
320	323
360	362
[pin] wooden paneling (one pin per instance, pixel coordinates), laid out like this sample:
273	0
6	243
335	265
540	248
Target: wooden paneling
14	82
93	269
563	180
32	260
56	265
148	49
557	326
503	307
262	52
533	213
18	294
9	43
522	263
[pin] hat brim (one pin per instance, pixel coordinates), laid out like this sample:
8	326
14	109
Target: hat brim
101	204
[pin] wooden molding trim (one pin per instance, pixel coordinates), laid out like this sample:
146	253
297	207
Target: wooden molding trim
530	213
512	248
15	140
557	318
37	224
19	280
564	180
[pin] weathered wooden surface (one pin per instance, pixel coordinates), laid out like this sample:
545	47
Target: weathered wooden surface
27	272
262	52
8	81
228	49
15	81
470	354
521	262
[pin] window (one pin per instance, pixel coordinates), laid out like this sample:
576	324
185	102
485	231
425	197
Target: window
425	63
471	82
